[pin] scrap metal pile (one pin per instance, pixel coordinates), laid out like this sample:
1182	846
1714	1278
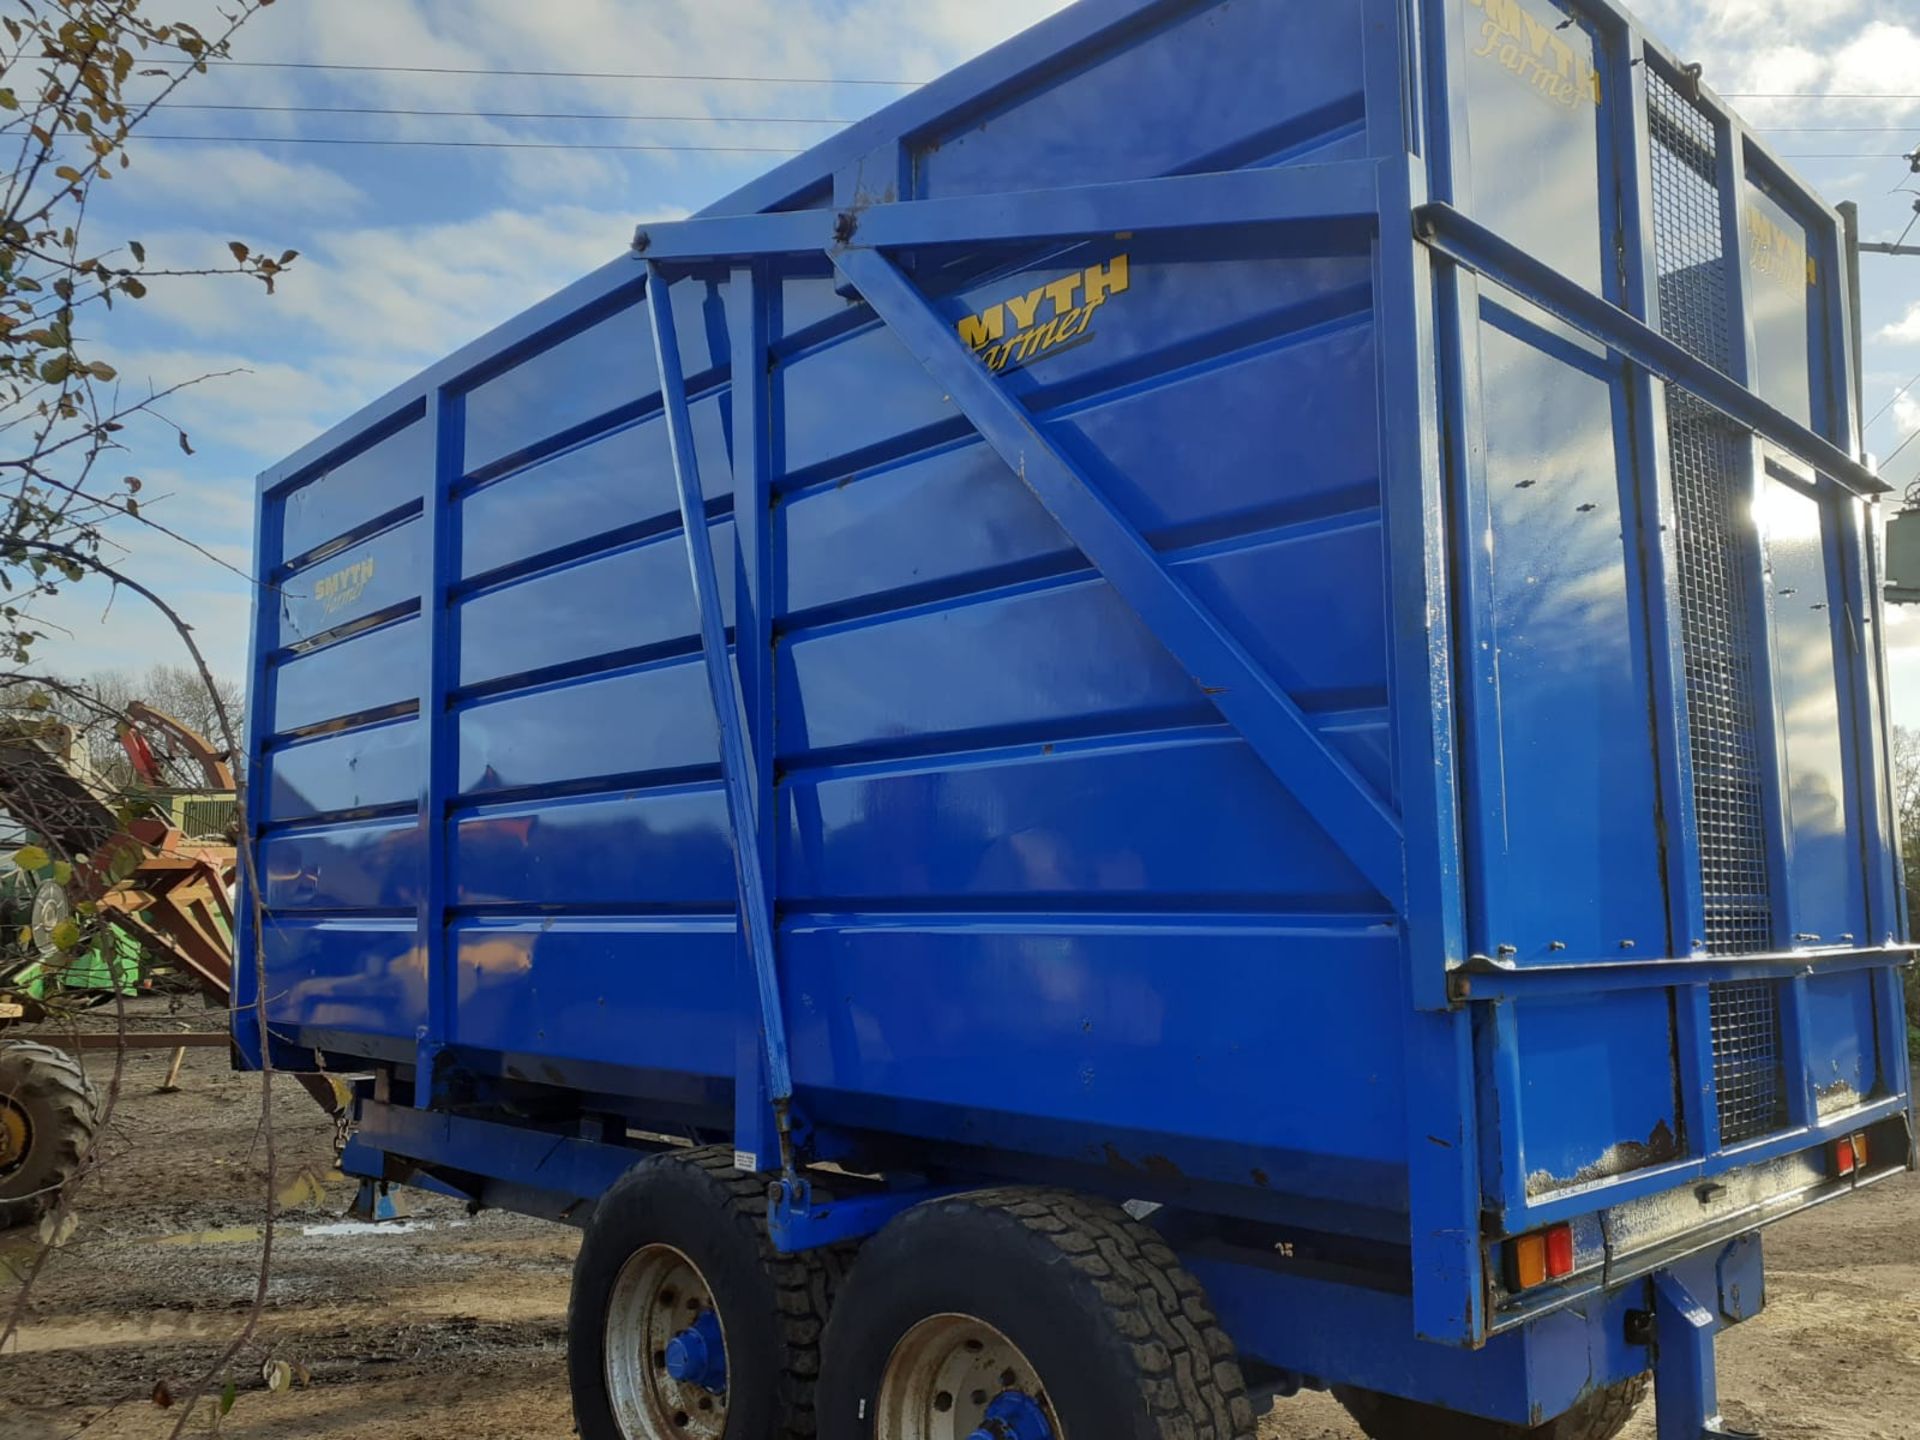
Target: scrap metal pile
148	864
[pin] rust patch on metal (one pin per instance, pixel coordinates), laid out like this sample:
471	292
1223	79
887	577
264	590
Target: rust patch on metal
1658	1148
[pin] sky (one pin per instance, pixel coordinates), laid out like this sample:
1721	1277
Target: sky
407	253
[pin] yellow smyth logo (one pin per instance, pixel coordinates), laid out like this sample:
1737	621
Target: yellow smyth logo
1536	52
1777	253
345	586
1044	321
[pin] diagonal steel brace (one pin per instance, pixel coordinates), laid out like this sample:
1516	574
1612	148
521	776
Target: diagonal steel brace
1336	795
756	906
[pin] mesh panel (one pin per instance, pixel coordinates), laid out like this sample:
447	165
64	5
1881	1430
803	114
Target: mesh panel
1709	465
1709	460
202	817
1747	1075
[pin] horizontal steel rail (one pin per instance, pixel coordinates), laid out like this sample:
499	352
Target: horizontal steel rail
1335	199
1472	246
1324	782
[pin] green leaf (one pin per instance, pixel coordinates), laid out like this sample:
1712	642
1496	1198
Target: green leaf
65	935
100	370
227	1396
30	857
62	872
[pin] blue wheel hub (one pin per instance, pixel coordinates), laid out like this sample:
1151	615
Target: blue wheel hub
698	1355
1013	1415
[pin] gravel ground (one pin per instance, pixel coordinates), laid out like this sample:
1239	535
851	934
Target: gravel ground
450	1326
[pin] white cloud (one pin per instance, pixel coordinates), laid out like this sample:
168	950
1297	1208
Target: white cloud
1905	330
221	180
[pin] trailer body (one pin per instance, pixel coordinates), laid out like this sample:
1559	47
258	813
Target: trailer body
1293	634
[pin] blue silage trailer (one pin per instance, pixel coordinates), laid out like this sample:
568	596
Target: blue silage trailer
1202	712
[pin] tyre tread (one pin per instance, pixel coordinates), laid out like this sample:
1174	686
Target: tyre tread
1601	1415
804	1284
1182	1354
56	1080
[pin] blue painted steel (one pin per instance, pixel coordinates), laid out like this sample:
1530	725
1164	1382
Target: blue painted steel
1336	201
1339	799
1683	1371
698	1354
374	1203
736	762
797	1220
1013	1415
1470	244
1209	714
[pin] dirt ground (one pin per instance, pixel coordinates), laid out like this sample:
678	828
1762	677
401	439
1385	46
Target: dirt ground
447	1326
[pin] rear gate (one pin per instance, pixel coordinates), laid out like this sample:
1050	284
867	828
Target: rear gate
1681	875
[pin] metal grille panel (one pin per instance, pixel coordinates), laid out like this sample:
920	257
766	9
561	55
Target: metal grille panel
1748	1078
1709	461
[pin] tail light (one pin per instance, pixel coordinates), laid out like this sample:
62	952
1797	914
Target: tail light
1543	1256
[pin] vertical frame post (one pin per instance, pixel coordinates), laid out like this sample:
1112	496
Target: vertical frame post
756	908
1405	123
446	411
268	526
756	1134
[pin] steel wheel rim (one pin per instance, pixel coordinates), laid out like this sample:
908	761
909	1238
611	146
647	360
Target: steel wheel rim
943	1375
658	1293
16	1137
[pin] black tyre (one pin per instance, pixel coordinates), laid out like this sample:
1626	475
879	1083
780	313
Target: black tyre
48	1113
685	1323
1025	1312
1600	1416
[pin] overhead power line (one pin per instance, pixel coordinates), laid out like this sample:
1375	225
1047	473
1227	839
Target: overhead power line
460	144
765	119
502	114
1819	95
543	74
1895	400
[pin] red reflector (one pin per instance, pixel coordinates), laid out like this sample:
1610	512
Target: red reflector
1559	1252
1843	1156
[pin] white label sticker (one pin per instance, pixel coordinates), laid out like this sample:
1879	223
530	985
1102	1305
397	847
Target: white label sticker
745	1161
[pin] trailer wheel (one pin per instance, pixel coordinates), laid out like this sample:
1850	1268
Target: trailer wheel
685	1323
48	1113
1600	1416
1026	1315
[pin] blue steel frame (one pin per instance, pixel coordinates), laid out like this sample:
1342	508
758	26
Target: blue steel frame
1421	294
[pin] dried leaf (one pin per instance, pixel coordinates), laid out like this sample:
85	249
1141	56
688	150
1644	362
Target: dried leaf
278	1374
240	252
162	1395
